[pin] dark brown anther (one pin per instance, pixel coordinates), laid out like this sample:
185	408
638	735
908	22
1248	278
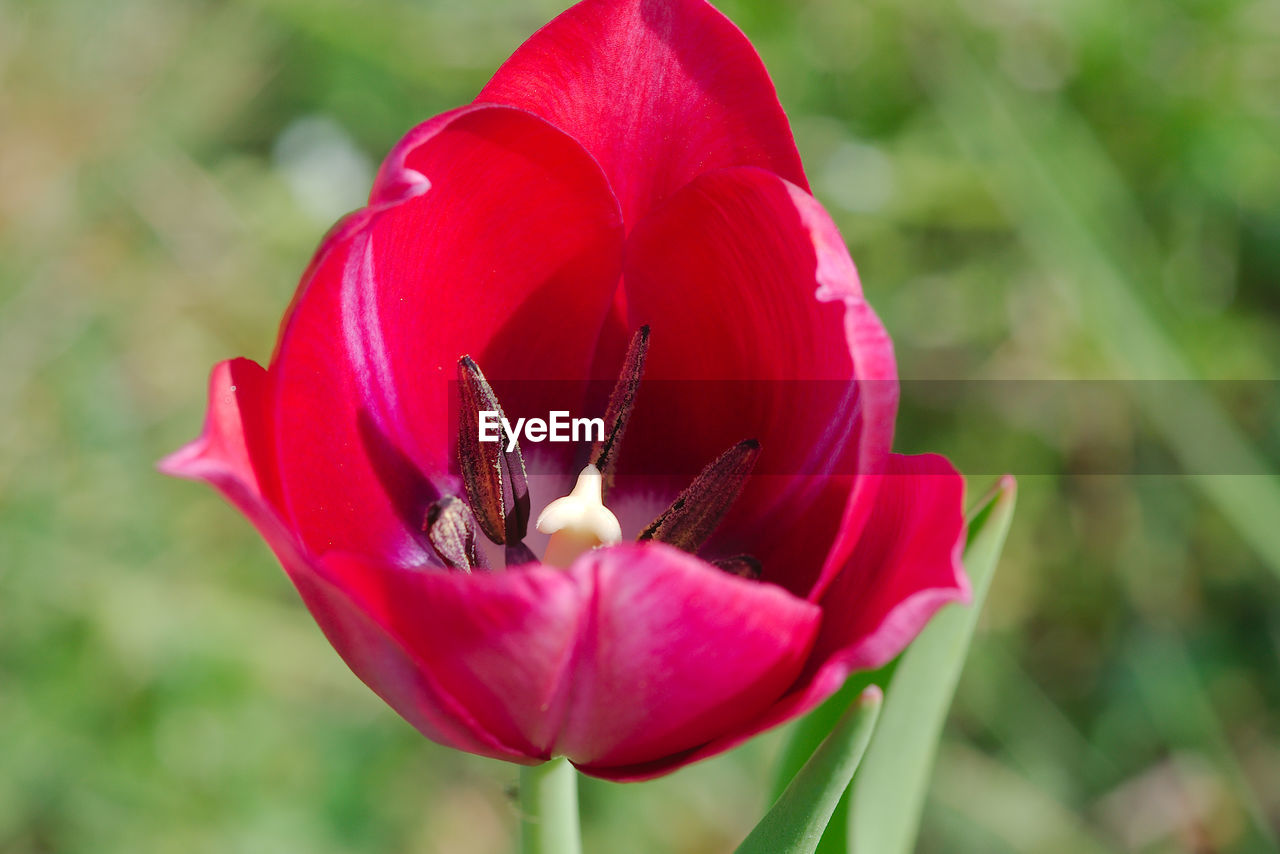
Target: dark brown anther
486	465
743	566
691	519
604	454
450	527
518	554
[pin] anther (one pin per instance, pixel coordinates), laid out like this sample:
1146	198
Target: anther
604	454
691	519
518	554
450	526
743	566
485	465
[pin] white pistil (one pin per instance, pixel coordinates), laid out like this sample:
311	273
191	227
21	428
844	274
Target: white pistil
578	522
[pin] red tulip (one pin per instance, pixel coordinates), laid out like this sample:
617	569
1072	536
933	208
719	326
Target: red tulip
629	165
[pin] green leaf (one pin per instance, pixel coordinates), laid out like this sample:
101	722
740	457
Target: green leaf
808	732
795	823
888	794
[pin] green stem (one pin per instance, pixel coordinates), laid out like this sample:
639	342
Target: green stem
549	809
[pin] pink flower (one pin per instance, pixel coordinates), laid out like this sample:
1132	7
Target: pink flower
629	165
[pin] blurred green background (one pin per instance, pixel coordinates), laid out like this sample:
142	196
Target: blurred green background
1031	188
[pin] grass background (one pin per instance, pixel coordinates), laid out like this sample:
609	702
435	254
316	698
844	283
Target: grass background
1031	188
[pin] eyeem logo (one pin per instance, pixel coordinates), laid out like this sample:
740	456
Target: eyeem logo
558	427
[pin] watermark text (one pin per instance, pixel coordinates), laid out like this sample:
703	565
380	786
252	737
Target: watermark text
557	427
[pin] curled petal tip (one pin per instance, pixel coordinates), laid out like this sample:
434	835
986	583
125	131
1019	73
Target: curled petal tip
185	461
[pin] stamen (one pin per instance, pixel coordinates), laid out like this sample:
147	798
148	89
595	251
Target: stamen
450	527
578	522
484	464
518	554
604	454
691	519
743	566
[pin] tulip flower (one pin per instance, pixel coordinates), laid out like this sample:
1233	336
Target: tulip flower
622	202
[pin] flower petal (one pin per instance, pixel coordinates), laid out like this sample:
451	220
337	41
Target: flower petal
504	643
233	455
906	566
507	247
658	91
634	653
743	277
236	450
674	653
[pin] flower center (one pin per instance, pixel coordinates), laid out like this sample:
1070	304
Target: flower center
497	488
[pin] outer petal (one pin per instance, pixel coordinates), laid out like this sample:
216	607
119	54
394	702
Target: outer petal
675	653
236	451
635	653
743	277
905	567
233	455
501	240
505	643
658	91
